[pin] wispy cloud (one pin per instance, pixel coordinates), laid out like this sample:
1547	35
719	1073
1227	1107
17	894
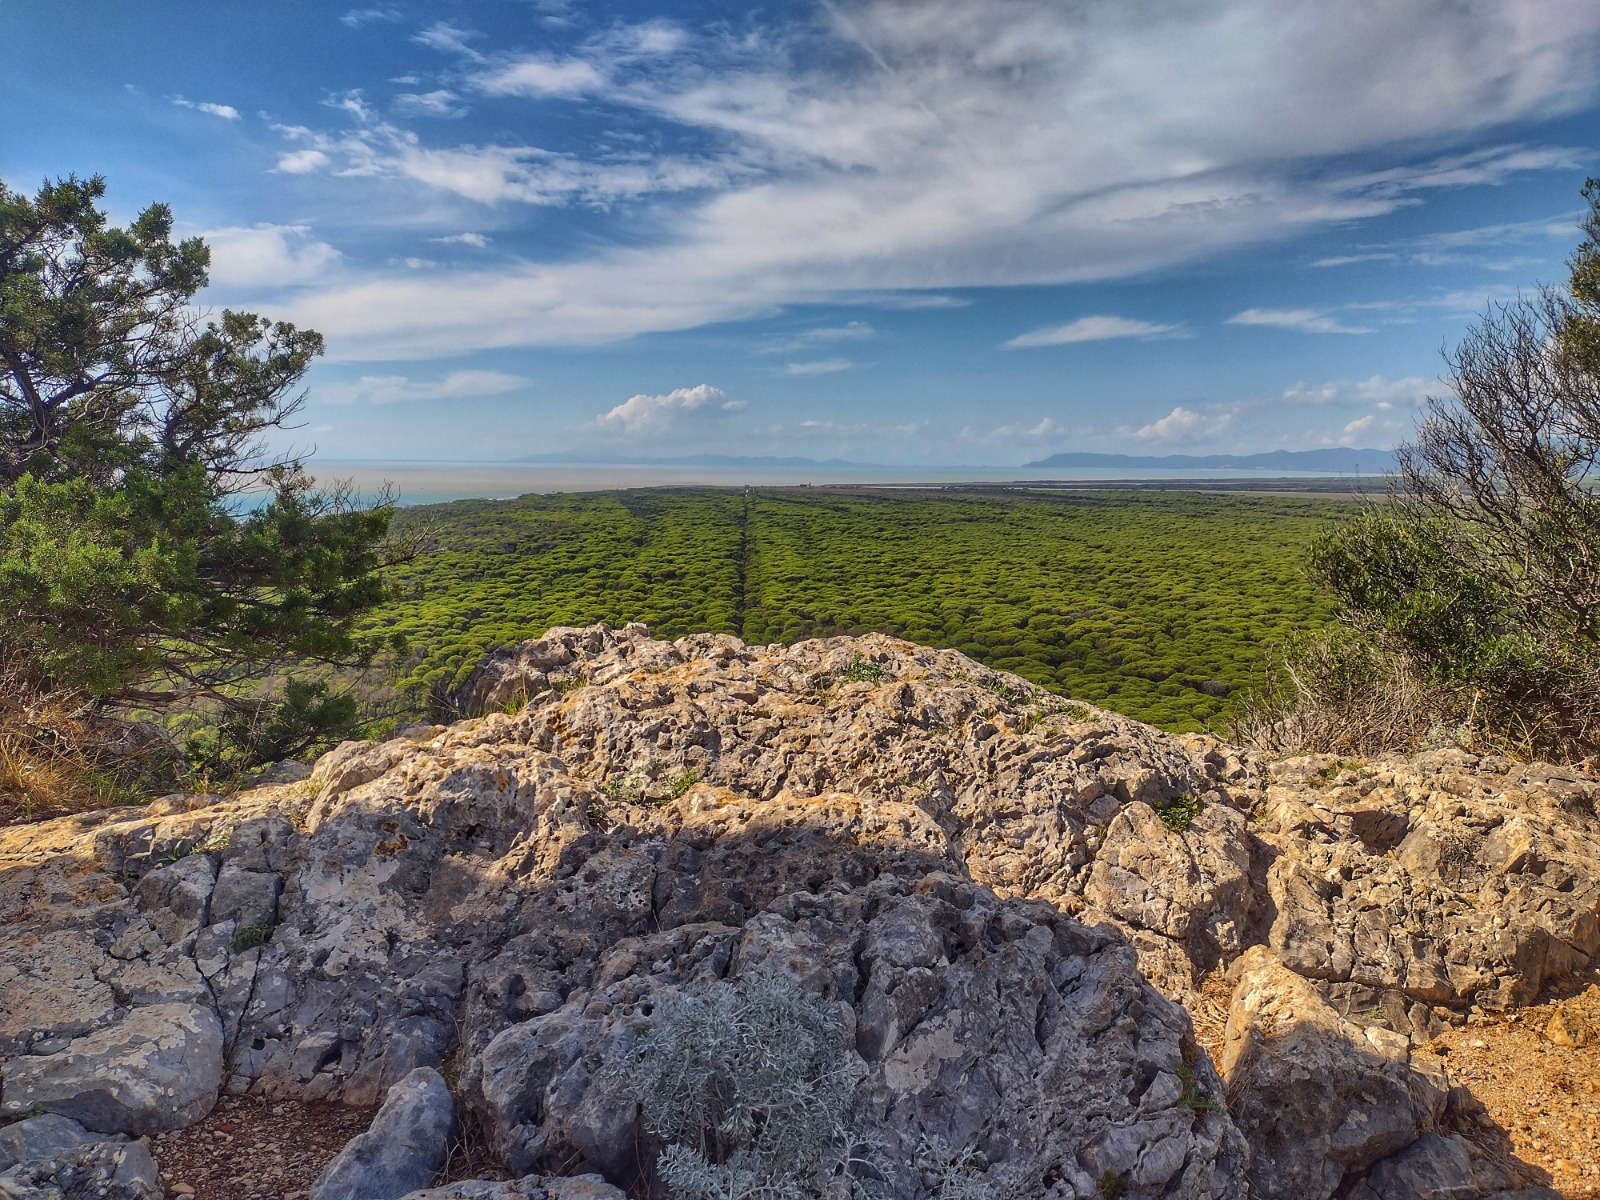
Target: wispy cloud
226	111
402	389
825	366
1304	320
1456	246
1375	391
450	39
462	239
1091	329
439	103
357	17
644	414
1006	143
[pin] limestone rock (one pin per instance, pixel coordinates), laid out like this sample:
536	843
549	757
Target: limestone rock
403	1149
1318	1098
158	1068
975	870
41	1137
99	1170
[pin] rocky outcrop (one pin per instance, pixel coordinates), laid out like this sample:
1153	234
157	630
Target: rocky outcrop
1008	895
403	1150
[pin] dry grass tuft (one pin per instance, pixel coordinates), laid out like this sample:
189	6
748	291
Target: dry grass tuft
59	756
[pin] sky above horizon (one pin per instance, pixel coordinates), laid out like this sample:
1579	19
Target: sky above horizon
891	231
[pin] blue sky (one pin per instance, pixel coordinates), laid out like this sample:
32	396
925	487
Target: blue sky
900	231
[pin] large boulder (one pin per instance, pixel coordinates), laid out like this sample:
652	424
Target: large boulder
403	1149
1318	1098
158	1068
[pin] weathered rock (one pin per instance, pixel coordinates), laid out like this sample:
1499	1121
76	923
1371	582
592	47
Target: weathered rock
900	829
982	1022
49	990
41	1137
158	1068
1447	879
403	1149
100	1170
1318	1098
1434	1167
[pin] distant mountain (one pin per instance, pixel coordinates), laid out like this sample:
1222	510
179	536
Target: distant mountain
1338	460
688	460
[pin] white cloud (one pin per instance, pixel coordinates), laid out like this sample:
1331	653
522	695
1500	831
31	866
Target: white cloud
441	103
1090	329
1456	246
1046	430
975	145
654	414
826	366
267	256
544	77
1375	391
449	39
357	17
226	111
401	389
301	162
1305	320
1357	429
1185	425
463	239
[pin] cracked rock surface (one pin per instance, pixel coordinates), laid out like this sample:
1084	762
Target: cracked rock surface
1008	895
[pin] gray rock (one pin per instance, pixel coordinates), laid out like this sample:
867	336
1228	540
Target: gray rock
403	1149
41	1137
49	988
1319	1099
101	1170
176	897
1434	1167
158	1068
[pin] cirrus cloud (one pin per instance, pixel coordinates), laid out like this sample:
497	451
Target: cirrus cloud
1091	329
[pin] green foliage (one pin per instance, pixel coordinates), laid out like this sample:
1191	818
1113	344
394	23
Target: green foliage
1178	813
861	670
679	784
1129	601
129	571
250	936
1193	1098
748	1089
1470	604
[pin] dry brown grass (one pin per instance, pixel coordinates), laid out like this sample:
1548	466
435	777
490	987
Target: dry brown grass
58	756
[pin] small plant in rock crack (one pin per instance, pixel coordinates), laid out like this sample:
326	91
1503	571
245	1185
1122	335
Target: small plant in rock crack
749	1089
249	937
625	788
681	782
1193	1098
861	670
1178	813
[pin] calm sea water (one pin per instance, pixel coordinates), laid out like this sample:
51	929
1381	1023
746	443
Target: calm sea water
436	482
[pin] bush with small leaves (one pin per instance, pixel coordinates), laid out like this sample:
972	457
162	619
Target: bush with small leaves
748	1088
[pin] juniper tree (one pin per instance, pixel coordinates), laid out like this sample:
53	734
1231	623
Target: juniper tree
130	423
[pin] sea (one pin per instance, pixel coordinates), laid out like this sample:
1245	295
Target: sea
429	482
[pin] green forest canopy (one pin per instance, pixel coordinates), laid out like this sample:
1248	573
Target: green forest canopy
1128	600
